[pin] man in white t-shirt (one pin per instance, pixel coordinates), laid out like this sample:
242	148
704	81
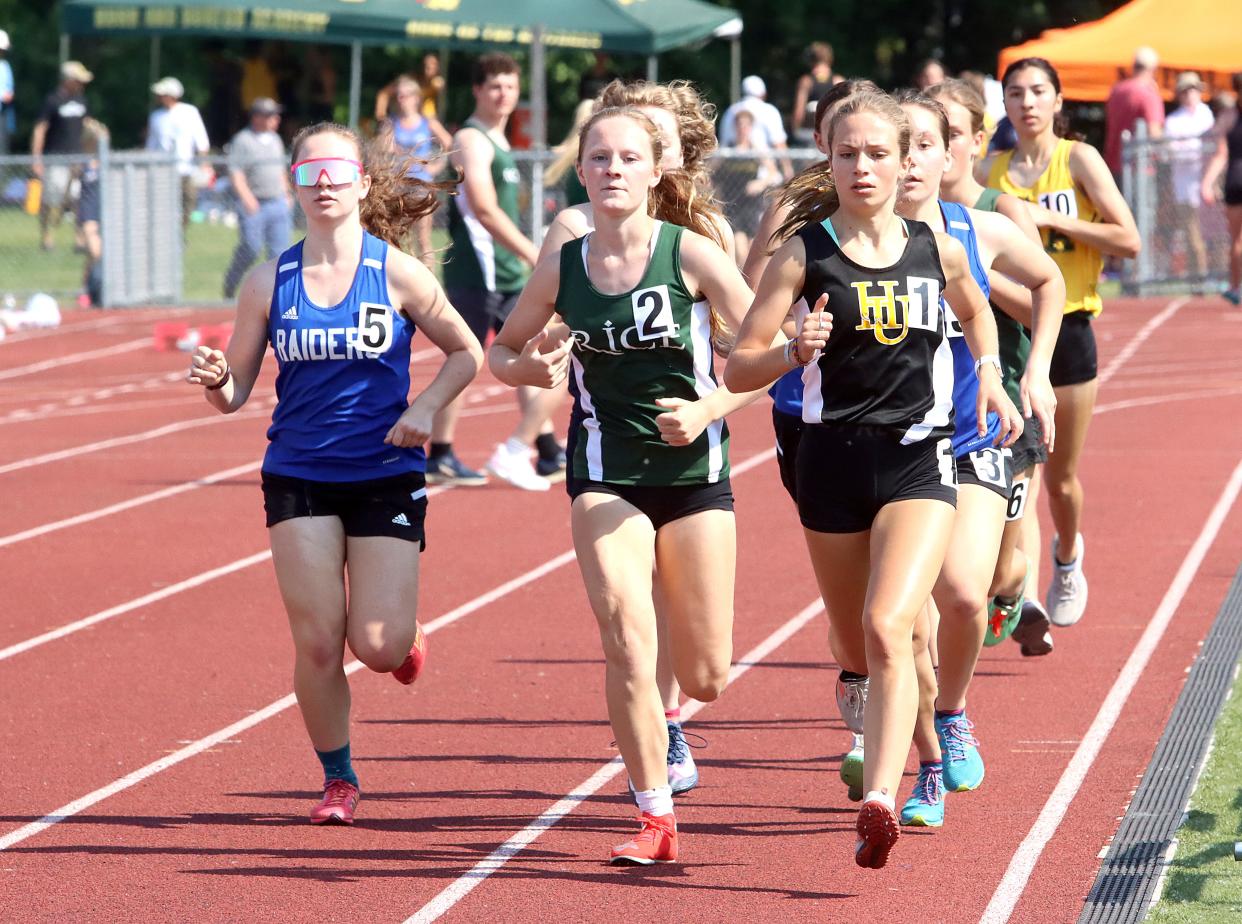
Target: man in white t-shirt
177	128
1188	123
769	130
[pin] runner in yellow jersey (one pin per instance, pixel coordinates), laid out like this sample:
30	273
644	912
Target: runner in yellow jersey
1081	216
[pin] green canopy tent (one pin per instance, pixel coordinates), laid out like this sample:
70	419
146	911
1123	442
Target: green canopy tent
635	26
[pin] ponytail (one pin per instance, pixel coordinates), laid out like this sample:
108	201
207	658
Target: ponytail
809	198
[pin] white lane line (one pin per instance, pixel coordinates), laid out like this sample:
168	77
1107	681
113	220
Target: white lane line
76	397
150	402
26	336
33	532
472	879
1012	886
232	731
172	589
76	451
1166	399
203	744
126	347
1140	338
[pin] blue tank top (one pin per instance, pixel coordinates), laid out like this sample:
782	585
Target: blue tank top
966	438
417	141
786	393
344	374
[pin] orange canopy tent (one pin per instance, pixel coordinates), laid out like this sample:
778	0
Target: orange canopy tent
1189	35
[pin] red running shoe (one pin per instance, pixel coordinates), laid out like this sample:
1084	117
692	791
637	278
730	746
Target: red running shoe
878	830
655	843
412	666
338	804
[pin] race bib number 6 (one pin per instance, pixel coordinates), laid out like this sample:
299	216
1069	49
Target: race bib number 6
374	333
653	313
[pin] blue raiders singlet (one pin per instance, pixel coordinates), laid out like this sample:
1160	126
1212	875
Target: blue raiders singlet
966	438
344	375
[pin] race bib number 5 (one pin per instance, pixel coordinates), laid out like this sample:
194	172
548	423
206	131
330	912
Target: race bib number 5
653	314
374	333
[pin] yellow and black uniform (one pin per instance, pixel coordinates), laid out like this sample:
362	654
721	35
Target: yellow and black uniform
878	402
1074	359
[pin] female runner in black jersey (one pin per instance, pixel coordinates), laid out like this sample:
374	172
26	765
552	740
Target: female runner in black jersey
876	487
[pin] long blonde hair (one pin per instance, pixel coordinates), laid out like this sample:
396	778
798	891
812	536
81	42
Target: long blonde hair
685	196
674	192
396	200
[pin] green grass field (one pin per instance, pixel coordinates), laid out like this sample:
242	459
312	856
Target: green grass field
1204	883
25	268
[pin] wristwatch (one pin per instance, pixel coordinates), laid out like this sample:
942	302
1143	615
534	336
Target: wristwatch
989	359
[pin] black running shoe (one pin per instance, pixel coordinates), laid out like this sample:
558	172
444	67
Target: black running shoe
448	469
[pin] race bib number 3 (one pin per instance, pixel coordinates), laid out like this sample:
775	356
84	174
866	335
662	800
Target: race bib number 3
653	314
990	466
374	328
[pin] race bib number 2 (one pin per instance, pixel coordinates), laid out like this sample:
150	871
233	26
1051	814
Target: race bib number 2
653	313
374	333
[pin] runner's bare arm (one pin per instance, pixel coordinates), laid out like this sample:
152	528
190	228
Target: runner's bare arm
241	360
515	356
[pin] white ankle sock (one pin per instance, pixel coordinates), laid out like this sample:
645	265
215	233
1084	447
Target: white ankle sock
658	801
876	796
516	447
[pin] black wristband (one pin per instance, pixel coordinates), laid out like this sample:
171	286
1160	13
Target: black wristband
228	374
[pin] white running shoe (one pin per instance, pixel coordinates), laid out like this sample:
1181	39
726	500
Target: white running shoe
516	468
852	702
1067	597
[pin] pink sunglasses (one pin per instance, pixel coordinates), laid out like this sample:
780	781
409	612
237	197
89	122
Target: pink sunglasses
338	169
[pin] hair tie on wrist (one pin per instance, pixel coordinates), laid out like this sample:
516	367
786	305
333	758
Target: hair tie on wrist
228	374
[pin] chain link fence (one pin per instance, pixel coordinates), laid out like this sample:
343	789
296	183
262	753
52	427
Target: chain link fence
169	240
1185	241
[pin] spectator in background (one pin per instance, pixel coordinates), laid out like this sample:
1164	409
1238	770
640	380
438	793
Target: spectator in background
421	138
769	131
257	77
1228	161
94	136
58	130
741	183
929	74
430	84
562	171
817	81
177	128
1190	121
260	180
6	94
1133	100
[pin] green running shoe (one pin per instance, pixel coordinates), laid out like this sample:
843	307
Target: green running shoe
1003	617
852	770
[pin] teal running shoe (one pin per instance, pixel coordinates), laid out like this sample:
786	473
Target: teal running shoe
925	807
1003	617
852	770
963	767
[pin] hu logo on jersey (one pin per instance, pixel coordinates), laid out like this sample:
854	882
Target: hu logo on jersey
890	315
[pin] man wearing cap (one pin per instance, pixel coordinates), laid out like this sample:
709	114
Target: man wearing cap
58	130
177	128
260	178
1130	101
769	132
6	94
1189	122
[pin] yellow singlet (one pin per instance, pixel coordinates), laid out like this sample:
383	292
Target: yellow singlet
1055	189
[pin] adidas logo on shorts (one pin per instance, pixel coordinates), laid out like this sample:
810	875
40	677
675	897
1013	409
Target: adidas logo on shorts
401	520
291	314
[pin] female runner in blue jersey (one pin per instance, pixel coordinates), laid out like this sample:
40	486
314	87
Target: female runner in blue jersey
633	293
343	483
876	488
948	753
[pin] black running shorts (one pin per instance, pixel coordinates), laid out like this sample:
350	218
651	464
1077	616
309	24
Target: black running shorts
990	467
846	474
662	504
788	429
1074	357
482	310
1029	449
394	506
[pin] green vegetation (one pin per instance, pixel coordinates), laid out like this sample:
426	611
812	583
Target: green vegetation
1204	883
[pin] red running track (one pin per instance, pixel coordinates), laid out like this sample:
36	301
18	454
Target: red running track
164	807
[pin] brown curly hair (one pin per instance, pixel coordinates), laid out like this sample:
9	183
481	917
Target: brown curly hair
396	200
